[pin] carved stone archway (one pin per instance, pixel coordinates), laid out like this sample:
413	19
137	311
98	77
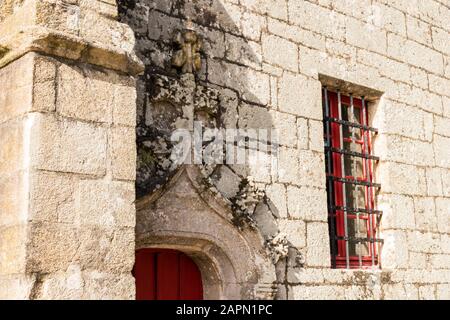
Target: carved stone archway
188	218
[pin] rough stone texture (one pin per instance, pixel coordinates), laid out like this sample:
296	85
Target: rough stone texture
273	56
68	148
67	166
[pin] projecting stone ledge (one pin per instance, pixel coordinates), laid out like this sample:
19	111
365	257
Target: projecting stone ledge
70	32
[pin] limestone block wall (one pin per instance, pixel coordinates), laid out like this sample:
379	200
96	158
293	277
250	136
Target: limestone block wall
67	154
267	56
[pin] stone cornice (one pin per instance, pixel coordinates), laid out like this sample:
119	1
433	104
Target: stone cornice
33	29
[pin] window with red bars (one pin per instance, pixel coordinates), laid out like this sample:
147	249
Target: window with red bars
352	215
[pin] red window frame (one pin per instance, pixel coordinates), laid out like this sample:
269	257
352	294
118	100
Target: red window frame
339	213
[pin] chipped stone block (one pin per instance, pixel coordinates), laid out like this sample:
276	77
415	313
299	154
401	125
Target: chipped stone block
253	25
95	104
419	31
296	34
274	8
254	86
51	246
288	165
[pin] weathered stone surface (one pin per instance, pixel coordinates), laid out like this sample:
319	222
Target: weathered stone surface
68	155
395	250
402	178
443	214
441	151
66	228
105	203
307	203
295	230
277	196
14	147
12	191
300	96
68	145
317	251
425	214
16	93
52	197
123	153
280	52
69	30
12	249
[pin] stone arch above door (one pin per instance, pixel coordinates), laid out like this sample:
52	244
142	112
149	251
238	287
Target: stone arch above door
183	216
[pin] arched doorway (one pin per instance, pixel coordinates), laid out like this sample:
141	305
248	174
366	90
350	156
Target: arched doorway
165	274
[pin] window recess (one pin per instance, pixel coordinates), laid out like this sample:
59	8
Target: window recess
352	214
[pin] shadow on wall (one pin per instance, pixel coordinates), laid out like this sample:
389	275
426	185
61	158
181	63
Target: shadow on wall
230	91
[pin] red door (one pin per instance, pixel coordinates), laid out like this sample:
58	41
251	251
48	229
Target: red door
163	274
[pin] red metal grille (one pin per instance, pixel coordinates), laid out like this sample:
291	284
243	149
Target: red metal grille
353	219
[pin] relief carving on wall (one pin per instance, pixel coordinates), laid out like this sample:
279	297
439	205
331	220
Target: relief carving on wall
187	57
184	101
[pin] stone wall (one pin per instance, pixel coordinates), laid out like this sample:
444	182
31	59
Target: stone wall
264	60
67	159
67	169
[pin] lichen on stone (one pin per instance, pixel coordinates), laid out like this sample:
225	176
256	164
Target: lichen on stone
244	203
277	247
